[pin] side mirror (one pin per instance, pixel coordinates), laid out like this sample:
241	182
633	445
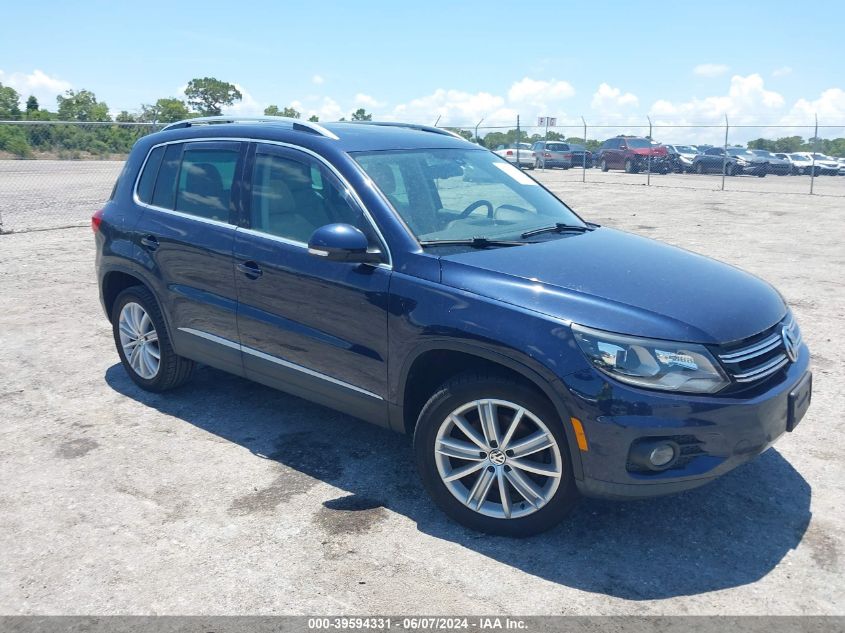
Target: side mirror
342	243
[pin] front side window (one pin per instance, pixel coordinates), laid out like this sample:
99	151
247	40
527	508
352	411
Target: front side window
292	197
456	194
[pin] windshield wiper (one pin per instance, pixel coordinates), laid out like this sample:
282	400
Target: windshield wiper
559	227
474	242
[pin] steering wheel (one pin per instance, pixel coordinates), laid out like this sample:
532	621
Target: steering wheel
475	205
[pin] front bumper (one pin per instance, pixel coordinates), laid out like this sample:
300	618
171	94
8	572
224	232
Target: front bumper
716	434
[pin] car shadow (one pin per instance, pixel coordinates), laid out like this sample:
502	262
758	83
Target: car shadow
729	533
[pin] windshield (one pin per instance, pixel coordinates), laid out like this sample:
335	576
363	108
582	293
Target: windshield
761	152
685	149
638	143
456	194
798	157
739	151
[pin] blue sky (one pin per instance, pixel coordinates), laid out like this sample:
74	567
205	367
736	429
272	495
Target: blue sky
759	62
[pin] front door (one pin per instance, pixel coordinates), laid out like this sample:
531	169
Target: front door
312	327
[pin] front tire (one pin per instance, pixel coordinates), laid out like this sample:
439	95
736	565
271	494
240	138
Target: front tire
492	453
143	343
603	164
629	167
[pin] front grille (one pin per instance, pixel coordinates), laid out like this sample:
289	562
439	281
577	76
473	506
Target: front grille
761	356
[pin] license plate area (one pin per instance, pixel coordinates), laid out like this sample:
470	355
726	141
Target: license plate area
799	401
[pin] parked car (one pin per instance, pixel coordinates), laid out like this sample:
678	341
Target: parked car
517	153
549	154
803	164
632	154
581	156
681	157
532	355
828	166
796	165
777	166
736	161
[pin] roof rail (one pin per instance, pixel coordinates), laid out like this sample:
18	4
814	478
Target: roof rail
296	124
412	126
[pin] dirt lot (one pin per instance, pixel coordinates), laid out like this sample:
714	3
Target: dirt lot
228	497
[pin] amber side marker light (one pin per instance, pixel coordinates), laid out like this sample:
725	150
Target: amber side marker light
579	434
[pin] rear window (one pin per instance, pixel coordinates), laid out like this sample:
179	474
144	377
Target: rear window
557	147
164	191
148	175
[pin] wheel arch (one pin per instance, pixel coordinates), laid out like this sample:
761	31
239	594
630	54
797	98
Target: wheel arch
435	362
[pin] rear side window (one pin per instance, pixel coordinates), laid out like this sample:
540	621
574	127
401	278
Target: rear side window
164	191
205	182
148	175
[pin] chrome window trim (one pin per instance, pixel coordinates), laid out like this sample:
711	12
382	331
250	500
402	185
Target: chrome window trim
348	187
275	359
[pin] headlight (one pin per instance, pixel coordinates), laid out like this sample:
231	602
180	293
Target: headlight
651	363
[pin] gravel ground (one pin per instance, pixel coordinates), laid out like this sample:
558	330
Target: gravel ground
227	497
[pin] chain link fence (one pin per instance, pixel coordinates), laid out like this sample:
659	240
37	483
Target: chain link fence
55	174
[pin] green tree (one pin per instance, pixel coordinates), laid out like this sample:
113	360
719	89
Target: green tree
273	110
464	133
124	117
361	115
82	105
208	95
9	103
164	111
31	104
314	118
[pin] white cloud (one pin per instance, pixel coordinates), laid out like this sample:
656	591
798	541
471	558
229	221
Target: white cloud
711	70
247	106
318	80
783	71
746	102
610	100
454	107
830	107
38	83
366	101
543	95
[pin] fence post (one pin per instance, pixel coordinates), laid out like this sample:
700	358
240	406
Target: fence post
584	170
648	172
815	150
476	130
725	154
518	166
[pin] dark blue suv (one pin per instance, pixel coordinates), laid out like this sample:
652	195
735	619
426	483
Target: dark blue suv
410	278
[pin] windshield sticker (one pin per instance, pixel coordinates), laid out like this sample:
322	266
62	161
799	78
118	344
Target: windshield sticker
515	173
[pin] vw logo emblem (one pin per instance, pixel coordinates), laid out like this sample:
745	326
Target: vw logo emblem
497	457
789	344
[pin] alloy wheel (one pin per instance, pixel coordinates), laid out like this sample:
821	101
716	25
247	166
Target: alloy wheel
139	340
498	459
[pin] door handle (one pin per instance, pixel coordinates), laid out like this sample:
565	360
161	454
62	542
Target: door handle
250	269
150	242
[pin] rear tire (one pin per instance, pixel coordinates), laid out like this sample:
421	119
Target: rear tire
140	334
699	168
494	487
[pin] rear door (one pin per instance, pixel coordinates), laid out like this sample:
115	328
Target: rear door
186	236
310	326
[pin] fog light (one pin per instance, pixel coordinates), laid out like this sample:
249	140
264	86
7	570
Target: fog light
655	455
661	455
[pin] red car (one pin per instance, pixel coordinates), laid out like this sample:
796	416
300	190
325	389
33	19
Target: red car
632	154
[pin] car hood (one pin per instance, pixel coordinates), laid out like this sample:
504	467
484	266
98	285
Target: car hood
620	282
